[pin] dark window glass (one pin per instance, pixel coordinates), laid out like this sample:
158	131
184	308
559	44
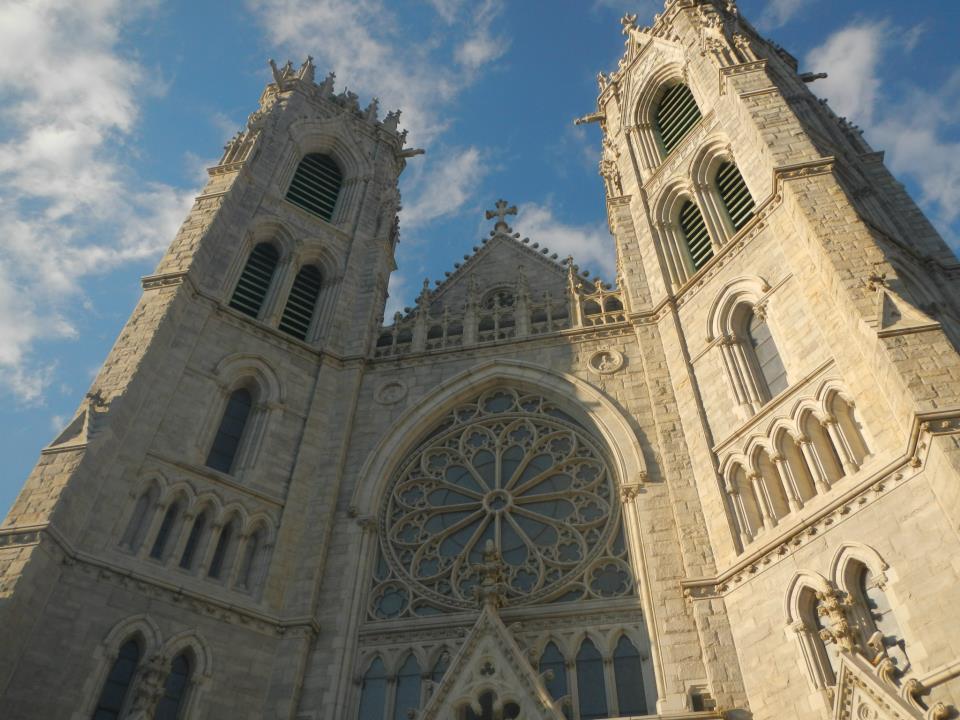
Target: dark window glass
175	690
373	693
676	115
227	441
768	358
220	553
166	527
591	685
298	314
734	194
117	684
139	521
629	676
408	689
552	661
193	540
316	185
695	234
255	280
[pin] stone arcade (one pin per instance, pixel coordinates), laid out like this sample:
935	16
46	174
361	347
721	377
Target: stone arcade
724	483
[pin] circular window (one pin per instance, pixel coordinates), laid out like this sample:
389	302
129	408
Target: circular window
514	470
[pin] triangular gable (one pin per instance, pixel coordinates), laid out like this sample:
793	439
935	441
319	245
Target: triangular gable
861	693
490	660
895	315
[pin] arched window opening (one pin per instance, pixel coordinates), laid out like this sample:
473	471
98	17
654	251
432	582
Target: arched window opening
880	628
251	562
695	235
373	692
591	685
821	659
255	280
734	194
316	185
117	685
408	689
628	671
298	313
175	689
779	492
822	459
223	452
675	116
553	662
170	518
749	503
140	519
487	702
223	553
767	356
796	466
193	541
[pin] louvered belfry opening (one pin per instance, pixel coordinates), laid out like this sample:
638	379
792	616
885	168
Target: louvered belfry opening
316	185
695	234
734	194
676	115
298	313
255	279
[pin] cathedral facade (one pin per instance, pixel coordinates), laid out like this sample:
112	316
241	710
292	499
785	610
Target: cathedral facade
723	484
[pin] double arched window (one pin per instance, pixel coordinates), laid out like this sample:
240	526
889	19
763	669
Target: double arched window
316	185
250	296
119	686
405	695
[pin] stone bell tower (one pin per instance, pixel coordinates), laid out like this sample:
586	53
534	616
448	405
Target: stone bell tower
152	531
810	318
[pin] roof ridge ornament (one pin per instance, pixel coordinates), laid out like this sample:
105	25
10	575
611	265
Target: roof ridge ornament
503	209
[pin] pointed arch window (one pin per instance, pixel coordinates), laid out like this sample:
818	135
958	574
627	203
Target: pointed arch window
768	360
117	685
734	195
675	116
170	518
316	185
408	689
140	519
373	692
628	671
250	566
223	452
224	549
193	541
175	689
591	685
255	280
302	302
552	661
695	234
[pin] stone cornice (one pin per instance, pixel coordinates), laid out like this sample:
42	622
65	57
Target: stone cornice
865	493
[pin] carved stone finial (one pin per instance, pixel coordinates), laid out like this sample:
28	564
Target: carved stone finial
326	87
307	70
492	590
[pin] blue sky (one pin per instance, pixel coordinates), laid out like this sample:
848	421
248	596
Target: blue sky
111	110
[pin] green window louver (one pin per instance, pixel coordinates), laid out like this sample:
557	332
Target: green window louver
734	194
676	115
298	313
316	185
695	234
255	280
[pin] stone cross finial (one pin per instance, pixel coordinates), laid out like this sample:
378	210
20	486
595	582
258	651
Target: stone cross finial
503	209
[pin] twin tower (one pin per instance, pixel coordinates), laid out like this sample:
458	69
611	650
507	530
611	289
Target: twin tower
723	484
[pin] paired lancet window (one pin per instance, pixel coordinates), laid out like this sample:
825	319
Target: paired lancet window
406	696
316	185
115	695
255	280
675	116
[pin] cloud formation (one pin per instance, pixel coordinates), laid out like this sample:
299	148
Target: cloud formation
778	13
590	245
70	205
917	144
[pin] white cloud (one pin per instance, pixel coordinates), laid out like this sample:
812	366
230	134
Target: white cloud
366	45
590	245
396	292
850	57
69	205
916	143
779	12
443	186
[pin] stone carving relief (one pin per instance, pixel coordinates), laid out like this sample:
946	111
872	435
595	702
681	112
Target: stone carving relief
391	392
606	361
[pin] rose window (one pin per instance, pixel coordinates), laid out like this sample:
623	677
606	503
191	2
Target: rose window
514	470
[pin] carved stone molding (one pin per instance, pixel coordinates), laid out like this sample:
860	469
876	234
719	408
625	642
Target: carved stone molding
606	361
391	392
